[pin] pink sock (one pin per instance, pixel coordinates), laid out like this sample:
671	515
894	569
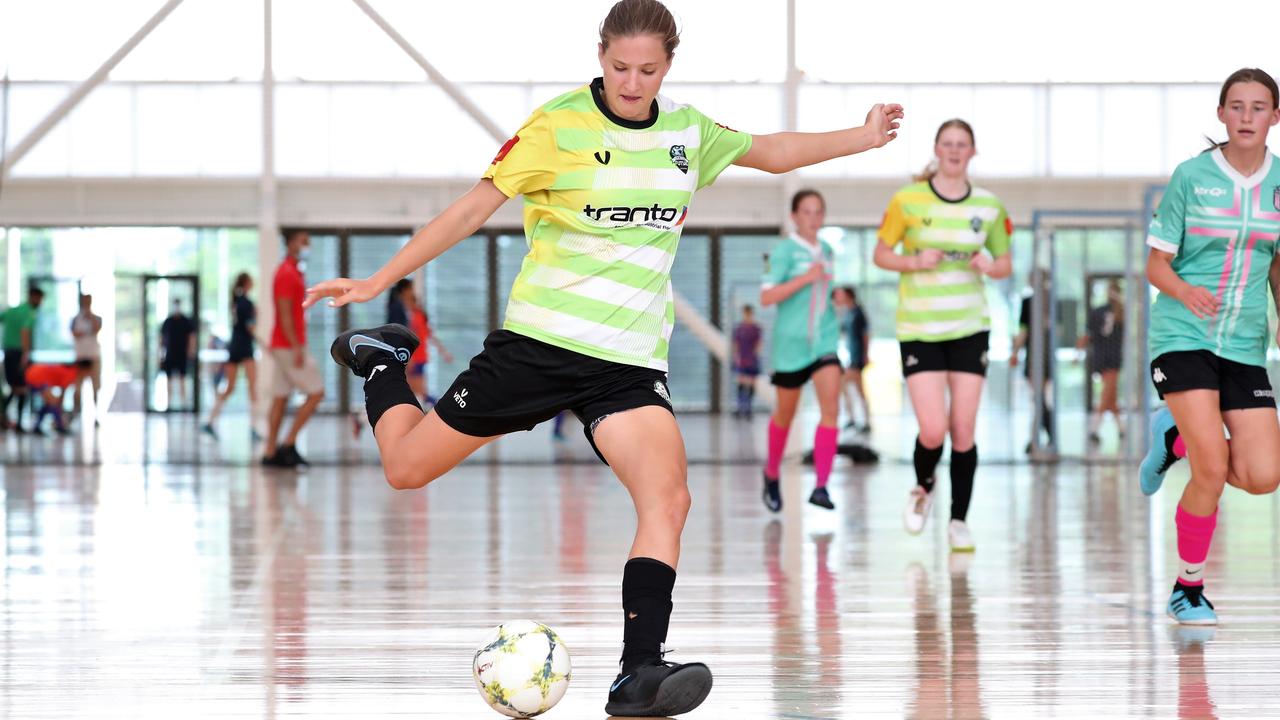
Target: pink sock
1179	447
777	443
1194	534
824	453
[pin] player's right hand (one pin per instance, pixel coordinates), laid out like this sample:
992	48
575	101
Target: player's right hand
1199	301
817	271
928	259
342	291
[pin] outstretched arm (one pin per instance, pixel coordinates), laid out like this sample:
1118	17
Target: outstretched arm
458	221
786	151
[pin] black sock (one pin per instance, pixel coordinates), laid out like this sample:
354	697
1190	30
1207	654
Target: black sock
926	461
963	466
385	390
22	407
751	395
646	610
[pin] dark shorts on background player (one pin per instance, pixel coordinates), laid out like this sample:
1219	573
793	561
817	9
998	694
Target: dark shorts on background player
748	370
175	365
517	382
797	378
966	355
239	352
1239	386
13	372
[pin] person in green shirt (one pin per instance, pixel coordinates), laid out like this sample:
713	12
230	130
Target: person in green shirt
608	172
19	331
954	236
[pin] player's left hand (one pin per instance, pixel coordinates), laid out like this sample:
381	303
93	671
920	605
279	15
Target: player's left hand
981	263
883	123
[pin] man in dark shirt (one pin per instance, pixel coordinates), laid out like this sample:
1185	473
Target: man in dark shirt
177	348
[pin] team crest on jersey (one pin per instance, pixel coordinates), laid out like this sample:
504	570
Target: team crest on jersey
975	223
679	159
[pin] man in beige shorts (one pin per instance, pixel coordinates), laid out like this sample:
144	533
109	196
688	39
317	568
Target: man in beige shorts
292	368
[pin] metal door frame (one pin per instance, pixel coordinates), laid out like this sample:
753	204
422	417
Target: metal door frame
147	378
1043	255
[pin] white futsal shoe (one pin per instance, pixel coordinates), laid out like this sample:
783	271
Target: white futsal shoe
959	537
919	503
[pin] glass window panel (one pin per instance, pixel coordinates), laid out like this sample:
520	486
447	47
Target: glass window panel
226	126
689	376
1129	147
1008	122
165	147
367	255
1191	115
1075	117
462	272
102	132
512	250
30	105
302	130
742	265
322	321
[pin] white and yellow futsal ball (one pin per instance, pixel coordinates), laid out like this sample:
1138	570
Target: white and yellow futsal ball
523	669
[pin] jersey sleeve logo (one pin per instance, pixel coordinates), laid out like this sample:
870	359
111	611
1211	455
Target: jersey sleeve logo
506	148
1008	226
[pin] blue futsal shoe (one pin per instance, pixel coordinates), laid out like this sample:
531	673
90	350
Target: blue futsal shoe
1160	453
1189	606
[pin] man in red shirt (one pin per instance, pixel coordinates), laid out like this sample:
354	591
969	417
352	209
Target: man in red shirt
292	368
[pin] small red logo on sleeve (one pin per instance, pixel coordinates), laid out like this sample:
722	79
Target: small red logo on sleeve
506	148
1008	226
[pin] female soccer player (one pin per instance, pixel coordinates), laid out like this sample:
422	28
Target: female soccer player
607	172
953	234
403	308
1213	249
746	360
1105	343
857	337
805	339
239	350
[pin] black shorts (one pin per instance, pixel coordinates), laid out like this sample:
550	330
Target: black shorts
1239	386
175	365
237	353
965	355
14	375
797	378
517	382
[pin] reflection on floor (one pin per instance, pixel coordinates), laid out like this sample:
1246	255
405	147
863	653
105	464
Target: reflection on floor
138	439
169	591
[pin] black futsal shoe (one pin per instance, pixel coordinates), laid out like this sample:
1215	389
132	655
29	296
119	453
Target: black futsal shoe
659	690
772	495
821	498
364	350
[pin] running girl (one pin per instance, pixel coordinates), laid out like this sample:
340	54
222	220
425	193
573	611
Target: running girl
953	235
806	337
1213	251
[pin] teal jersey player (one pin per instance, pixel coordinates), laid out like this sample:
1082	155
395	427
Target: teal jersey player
806	327
1221	228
